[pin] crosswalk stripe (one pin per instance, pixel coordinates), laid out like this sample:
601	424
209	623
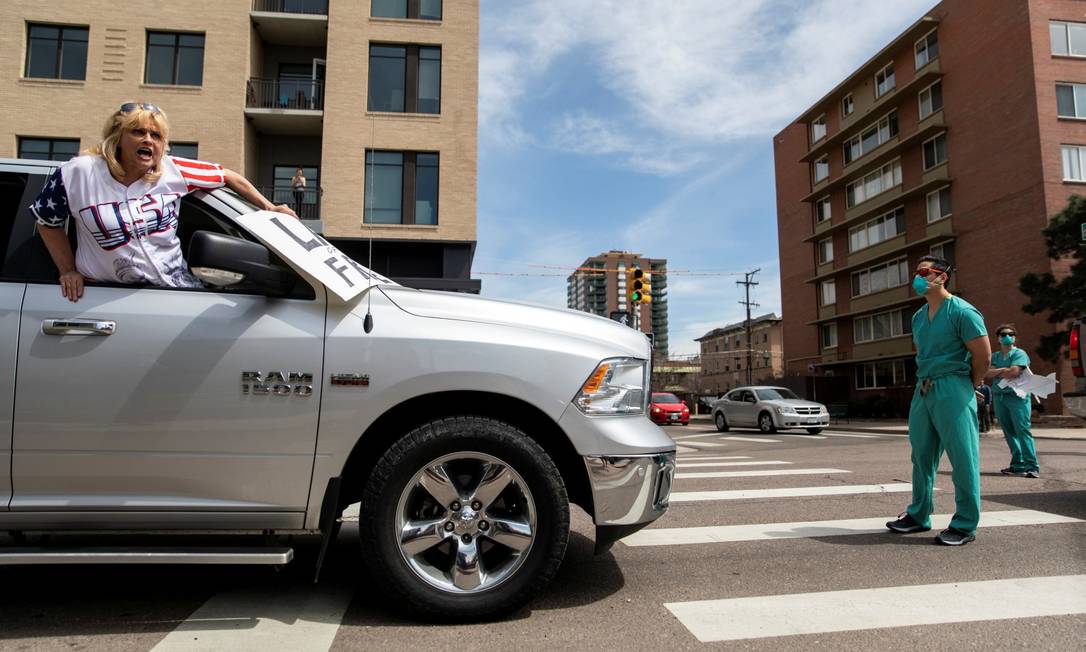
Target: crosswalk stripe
789	492
687	465
799	436
680	449
700	458
851	435
704	434
303	618
760	440
703	444
755	474
897	606
811	529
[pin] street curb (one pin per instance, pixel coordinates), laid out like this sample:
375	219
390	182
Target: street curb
1038	433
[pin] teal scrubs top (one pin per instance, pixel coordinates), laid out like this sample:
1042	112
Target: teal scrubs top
940	342
1017	357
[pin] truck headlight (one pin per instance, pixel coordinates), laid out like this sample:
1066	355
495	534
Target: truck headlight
617	386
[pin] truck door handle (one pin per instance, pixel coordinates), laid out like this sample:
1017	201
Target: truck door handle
78	327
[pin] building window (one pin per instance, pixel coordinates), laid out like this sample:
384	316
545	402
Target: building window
48	149
939	204
1068	39
847	106
420	9
403	188
175	59
56	51
881	326
1074	162
881	277
935	151
829	335
927	49
873	184
882	228
828	292
870	138
825	251
822	210
184	150
1071	100
821	168
944	250
818	128
405	79
931	99
879	375
884	81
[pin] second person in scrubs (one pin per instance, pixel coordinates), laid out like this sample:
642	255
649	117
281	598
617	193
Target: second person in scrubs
1012	410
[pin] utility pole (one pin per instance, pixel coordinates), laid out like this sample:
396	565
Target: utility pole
750	345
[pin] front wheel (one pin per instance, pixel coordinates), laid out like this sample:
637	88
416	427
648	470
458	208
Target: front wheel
765	423
721	422
464	518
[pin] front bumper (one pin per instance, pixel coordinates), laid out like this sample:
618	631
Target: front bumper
628	493
802	420
664	418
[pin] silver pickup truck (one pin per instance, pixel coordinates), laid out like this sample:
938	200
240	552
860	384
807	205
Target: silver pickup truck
266	403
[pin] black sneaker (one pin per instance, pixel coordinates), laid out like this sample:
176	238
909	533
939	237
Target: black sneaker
952	537
1010	471
1033	474
905	523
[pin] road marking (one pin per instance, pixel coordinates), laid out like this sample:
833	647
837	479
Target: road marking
703	444
790	492
755	474
706	458
687	465
850	435
705	434
895	606
796	434
811	529
683	449
756	439
300	618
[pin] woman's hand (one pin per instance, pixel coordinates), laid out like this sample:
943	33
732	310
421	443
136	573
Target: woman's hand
71	286
283	208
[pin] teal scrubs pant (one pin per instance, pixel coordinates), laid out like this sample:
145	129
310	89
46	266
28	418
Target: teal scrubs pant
1013	414
946	419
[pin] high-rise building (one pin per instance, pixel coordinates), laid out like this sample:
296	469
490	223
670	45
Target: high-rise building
960	138
599	286
376	100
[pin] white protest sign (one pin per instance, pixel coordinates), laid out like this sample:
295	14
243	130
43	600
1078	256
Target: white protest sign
290	239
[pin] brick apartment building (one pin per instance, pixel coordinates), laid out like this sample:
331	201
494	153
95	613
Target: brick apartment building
961	138
724	359
262	86
603	292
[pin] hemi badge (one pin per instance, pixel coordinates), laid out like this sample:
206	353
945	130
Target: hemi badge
351	379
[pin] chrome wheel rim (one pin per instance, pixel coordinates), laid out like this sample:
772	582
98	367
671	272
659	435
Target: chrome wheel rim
466	522
720	421
767	423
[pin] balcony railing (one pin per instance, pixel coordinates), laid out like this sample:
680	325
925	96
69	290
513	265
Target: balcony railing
306	202
304	94
315	7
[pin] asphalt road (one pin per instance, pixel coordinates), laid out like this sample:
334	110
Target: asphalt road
722	570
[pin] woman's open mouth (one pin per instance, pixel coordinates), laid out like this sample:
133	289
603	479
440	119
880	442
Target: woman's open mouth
145	154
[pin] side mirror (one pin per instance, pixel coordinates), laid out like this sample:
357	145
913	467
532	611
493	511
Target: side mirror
225	261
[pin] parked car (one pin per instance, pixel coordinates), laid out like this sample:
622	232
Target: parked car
768	409
296	383
667	408
1075	401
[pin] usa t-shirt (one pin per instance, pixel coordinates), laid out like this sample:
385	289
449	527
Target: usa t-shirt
125	234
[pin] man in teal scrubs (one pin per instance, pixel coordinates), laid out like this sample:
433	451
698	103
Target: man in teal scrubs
1012	410
952	356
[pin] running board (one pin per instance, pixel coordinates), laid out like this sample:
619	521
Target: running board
30	556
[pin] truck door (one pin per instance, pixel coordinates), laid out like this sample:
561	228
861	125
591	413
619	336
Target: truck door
148	400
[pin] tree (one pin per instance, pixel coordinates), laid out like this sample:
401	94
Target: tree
1064	299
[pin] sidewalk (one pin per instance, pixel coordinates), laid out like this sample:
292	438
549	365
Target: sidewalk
901	427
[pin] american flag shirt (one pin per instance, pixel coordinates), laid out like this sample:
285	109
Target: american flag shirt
125	234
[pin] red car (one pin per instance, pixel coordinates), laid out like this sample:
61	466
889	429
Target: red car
667	408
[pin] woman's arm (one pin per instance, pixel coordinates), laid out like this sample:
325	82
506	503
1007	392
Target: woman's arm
241	185
60	250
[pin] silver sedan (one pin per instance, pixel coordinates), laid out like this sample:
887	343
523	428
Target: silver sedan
768	409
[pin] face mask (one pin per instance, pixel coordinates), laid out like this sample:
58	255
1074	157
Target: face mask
1006	340
920	285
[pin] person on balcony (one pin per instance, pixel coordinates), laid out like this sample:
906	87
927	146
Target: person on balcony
297	185
123	196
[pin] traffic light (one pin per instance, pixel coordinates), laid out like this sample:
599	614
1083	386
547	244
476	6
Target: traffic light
634	284
646	289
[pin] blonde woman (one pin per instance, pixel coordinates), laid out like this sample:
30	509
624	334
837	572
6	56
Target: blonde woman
123	197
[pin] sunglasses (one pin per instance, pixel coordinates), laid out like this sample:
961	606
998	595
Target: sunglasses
928	271
129	107
1007	333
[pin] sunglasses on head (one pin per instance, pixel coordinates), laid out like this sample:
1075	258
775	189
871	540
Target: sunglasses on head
129	107
928	271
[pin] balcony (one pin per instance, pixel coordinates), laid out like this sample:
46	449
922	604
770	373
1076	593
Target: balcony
307	203
285	106
291	22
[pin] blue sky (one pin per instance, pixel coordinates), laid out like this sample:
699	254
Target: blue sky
646	125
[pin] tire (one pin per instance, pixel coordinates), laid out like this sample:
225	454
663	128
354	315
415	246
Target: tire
721	422
765	423
452	457
813	431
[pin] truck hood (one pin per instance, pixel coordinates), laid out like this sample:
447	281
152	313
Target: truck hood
613	336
